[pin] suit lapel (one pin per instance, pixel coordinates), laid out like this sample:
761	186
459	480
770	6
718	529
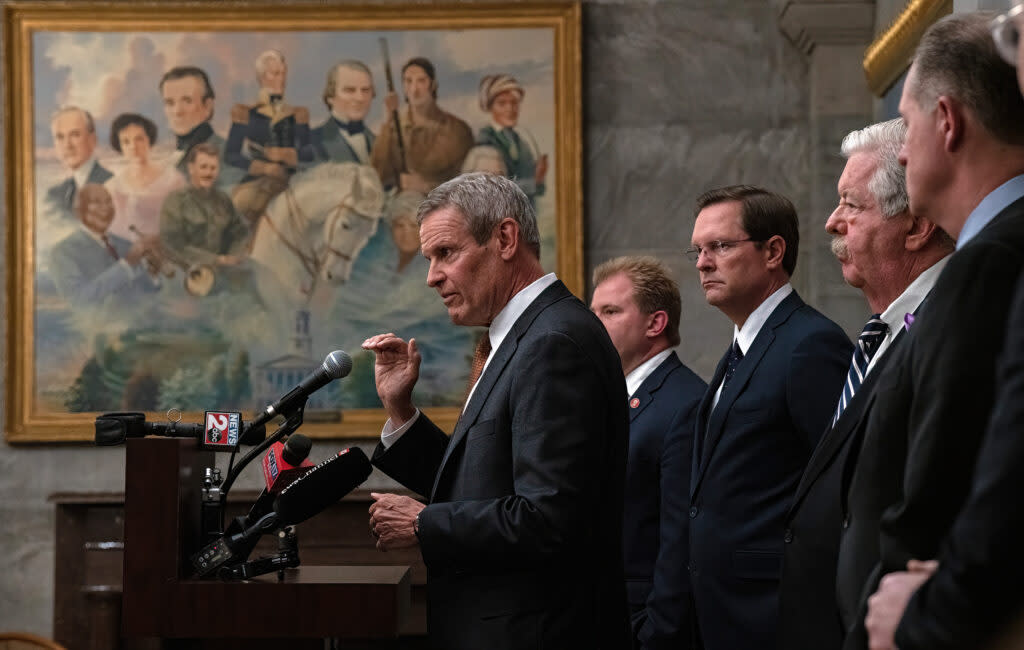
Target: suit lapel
502	356
337	145
834	438
704	413
744	371
645	393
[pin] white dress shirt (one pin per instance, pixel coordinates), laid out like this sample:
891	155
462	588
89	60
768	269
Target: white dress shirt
499	329
907	303
745	335
640	374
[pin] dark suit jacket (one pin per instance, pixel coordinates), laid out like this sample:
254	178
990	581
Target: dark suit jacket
758	441
656	528
331	146
920	448
522	537
62	195
808	614
976	593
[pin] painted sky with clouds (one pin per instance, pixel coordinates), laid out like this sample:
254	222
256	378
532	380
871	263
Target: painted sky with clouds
109	73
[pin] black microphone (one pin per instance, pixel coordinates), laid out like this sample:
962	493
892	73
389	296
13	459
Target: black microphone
336	365
295	449
114	428
322	486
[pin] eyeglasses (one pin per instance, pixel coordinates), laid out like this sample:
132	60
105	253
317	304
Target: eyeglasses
1005	33
715	248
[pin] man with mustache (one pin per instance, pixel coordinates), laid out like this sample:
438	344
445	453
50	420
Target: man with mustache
199	222
894	258
970	597
964	158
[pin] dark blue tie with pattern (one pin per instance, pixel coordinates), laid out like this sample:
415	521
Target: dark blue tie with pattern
735	356
867	344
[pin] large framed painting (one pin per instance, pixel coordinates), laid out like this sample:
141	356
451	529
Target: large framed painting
203	201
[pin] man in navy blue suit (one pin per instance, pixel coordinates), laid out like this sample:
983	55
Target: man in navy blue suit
638	303
768	403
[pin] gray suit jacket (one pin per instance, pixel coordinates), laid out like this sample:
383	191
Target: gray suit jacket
523	534
86	274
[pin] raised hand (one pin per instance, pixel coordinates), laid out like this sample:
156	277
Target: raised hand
396	370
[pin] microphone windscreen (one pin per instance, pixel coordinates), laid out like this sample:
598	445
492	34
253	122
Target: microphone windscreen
110	431
322	486
296	449
113	428
338	364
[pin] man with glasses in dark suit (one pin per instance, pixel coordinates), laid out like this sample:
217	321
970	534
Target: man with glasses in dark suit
767	405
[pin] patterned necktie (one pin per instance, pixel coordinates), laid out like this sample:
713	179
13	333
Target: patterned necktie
480	354
867	344
735	356
110	247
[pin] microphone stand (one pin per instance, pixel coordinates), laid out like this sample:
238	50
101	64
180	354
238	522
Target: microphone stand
287	557
293	420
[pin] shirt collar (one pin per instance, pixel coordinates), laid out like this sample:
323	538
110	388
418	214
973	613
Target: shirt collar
752	326
639	375
996	201
912	296
510	313
81	174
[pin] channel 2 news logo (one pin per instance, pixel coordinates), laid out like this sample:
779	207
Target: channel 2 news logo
223	428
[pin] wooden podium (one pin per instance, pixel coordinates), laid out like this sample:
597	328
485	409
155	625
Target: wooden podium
161	532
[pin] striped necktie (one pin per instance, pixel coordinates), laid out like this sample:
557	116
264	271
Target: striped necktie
867	344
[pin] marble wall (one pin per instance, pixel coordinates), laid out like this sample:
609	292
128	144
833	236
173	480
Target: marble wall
679	96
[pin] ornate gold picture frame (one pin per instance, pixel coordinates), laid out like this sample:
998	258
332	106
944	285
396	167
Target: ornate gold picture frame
223	291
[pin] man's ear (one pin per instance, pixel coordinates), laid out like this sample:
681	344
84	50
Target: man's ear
776	250
950	121
656	323
507	238
919	234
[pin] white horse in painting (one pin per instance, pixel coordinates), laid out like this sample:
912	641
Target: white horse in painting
311	233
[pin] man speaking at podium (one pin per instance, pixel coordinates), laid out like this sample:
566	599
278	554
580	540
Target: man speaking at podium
522	533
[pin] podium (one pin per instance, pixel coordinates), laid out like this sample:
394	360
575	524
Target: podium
160	600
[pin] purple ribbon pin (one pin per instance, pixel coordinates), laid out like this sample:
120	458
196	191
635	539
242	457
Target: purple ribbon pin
908	320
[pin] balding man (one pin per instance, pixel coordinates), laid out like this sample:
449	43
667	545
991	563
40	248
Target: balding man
74	137
894	258
89	266
964	158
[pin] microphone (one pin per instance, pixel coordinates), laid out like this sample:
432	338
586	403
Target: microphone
320	487
336	365
284	463
222	431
